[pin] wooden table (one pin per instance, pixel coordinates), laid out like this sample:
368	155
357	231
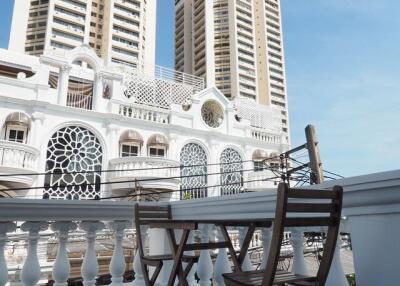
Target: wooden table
189	225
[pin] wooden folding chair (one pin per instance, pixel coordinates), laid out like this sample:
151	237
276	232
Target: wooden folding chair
328	206
143	213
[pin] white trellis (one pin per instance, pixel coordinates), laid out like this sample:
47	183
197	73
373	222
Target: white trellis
161	88
265	117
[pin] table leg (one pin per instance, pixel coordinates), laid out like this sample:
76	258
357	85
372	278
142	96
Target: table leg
177	269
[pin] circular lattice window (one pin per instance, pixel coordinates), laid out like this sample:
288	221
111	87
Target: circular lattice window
212	113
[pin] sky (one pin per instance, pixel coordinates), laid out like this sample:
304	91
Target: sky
343	76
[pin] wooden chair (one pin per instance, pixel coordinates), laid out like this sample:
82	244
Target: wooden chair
143	213
328	206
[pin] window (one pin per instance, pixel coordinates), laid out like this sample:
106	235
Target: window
129	150
258	166
16	134
157	152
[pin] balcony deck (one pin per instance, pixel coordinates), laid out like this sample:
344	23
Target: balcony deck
371	215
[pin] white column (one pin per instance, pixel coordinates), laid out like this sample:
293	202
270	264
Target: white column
97	92
61	267
30	273
4	228
222	264
214	179
266	236
90	265
204	266
246	266
63	78
117	264
336	275
299	264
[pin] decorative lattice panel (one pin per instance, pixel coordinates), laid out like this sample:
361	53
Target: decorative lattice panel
195	158
231	172
73	165
260	116
148	90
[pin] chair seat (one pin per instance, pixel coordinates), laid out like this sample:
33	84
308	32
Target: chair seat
252	278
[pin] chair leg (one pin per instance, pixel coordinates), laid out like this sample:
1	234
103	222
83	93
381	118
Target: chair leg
145	274
156	273
188	268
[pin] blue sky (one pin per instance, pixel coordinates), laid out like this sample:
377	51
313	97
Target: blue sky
343	76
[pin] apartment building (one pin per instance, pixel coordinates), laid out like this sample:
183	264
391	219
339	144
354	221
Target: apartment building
120	31
235	45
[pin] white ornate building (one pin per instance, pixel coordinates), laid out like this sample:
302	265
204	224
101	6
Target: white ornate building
110	131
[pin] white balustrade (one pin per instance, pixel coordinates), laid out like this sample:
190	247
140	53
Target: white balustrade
18	155
143	112
90	265
360	203
117	264
5	227
30	273
137	268
297	240
61	267
222	264
204	265
144	167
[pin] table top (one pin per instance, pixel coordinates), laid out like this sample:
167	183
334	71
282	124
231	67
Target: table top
257	222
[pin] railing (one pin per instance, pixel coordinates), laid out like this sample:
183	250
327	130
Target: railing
144	112
62	219
144	167
255	180
371	210
266	136
18	155
78	100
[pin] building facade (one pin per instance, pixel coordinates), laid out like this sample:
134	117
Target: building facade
236	46
120	31
72	132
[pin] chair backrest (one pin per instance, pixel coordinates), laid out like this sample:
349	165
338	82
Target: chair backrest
304	203
148	212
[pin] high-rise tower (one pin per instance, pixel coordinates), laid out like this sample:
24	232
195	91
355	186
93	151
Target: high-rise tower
235	45
121	31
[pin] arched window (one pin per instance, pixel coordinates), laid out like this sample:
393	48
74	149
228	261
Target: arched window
16	127
157	146
231	172
73	165
193	160
130	143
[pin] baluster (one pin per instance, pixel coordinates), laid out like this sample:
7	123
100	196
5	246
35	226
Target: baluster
30	273
137	268
299	264
222	264
204	265
336	275
246	266
117	264
4	228
90	265
266	236
61	265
